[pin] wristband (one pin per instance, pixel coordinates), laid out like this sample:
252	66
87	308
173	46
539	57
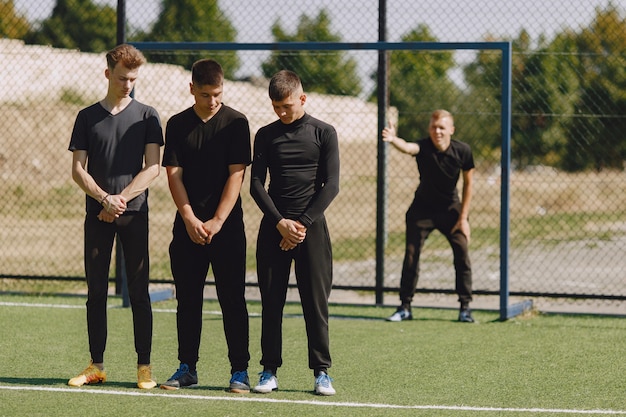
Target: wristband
104	198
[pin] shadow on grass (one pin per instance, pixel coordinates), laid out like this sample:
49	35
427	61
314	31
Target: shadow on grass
34	381
55	382
63	382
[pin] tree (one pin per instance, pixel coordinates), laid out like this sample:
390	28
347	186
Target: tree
483	94
12	24
188	21
420	83
543	84
545	90
77	24
328	72
597	134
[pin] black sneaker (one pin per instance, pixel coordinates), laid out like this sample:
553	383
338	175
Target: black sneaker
183	377
465	315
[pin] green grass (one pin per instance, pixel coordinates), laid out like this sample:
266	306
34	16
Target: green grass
431	366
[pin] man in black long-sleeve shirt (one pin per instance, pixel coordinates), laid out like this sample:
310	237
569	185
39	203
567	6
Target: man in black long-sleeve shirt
301	154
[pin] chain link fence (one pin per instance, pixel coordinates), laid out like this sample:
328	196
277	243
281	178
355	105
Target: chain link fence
567	221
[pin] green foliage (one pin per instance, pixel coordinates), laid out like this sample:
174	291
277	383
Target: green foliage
330	73
544	86
568	97
541	87
419	84
77	24
189	21
71	96
19	191
483	96
602	72
12	24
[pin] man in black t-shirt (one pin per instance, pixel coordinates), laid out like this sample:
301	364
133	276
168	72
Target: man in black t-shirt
207	150
301	155
116	144
436	205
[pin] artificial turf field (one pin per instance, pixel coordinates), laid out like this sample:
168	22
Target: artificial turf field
536	365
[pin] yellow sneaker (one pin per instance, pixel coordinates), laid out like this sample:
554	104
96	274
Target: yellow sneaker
144	377
91	375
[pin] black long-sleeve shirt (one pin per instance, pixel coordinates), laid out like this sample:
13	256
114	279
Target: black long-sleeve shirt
303	163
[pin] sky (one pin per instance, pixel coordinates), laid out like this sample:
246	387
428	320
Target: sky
357	20
449	20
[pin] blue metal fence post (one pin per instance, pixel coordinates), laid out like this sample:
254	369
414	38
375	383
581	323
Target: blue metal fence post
505	161
506	310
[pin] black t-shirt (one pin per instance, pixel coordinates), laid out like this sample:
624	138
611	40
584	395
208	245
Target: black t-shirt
303	163
204	151
115	145
439	174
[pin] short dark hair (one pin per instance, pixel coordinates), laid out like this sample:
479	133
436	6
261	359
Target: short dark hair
128	55
207	72
283	84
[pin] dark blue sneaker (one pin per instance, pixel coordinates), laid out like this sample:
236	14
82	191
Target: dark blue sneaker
240	383
183	377
465	316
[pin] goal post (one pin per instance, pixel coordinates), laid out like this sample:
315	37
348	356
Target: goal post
507	310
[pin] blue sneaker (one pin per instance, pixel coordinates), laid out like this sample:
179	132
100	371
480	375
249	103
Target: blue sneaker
267	383
183	377
240	383
323	384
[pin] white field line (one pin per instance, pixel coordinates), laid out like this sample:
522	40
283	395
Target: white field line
10	304
154	310
317	403
82	306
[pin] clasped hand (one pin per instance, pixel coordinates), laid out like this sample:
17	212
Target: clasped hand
202	233
293	233
113	207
